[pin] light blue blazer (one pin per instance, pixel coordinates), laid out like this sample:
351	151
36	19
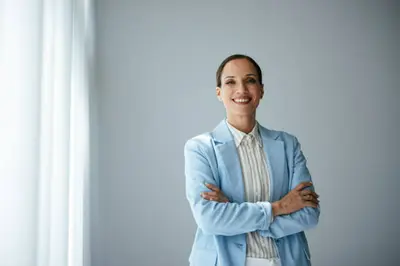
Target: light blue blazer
221	234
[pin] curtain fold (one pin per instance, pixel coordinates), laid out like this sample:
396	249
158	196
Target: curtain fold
50	44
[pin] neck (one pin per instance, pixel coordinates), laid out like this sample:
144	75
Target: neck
242	123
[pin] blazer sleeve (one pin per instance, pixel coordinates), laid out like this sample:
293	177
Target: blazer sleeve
214	217
303	219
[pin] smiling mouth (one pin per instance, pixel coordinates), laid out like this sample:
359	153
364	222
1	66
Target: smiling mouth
241	100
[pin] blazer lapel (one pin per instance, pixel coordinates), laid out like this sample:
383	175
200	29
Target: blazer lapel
275	154
228	158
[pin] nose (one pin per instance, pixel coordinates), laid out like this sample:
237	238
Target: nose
242	87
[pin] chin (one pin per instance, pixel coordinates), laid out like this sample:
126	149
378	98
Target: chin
243	113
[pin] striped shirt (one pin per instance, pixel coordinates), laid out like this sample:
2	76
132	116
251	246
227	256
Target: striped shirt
256	183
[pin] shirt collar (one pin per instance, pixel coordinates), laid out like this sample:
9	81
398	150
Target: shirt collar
239	135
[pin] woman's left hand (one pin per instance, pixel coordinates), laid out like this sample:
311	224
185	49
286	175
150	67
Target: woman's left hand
215	195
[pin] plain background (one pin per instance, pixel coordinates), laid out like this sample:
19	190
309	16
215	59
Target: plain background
331	74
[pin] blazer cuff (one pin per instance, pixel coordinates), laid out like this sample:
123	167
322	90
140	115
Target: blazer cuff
268	212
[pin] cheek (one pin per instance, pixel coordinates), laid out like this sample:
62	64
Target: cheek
226	96
256	93
227	101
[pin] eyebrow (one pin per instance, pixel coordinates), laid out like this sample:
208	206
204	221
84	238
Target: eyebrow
227	77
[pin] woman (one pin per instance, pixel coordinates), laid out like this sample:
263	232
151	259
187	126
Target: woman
248	187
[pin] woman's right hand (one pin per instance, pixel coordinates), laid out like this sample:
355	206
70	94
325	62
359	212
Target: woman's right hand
295	200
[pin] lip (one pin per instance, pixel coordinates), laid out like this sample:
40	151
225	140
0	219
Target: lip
242	103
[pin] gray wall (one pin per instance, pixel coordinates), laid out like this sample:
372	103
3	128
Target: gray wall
331	77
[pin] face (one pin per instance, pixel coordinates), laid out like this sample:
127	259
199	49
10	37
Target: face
240	89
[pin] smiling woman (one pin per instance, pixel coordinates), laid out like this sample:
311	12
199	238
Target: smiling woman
248	186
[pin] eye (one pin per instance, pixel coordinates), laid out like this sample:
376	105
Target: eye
230	82
251	80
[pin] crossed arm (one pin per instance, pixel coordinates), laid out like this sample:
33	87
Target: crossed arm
296	212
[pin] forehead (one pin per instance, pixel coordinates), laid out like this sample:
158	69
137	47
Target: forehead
239	67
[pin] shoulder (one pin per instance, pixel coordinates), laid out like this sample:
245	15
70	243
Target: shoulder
276	134
288	138
201	142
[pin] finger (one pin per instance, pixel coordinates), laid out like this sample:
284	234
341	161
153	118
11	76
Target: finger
214	199
205	196
310	197
306	197
313	199
315	194
306	192
211	193
212	187
217	199
303	185
211	196
309	192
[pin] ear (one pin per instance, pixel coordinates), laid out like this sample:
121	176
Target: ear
218	92
262	91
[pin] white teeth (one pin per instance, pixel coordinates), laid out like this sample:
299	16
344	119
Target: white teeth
241	100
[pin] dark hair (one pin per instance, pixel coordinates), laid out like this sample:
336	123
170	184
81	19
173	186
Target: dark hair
233	57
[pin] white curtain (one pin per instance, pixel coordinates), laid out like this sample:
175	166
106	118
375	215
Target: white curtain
46	50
